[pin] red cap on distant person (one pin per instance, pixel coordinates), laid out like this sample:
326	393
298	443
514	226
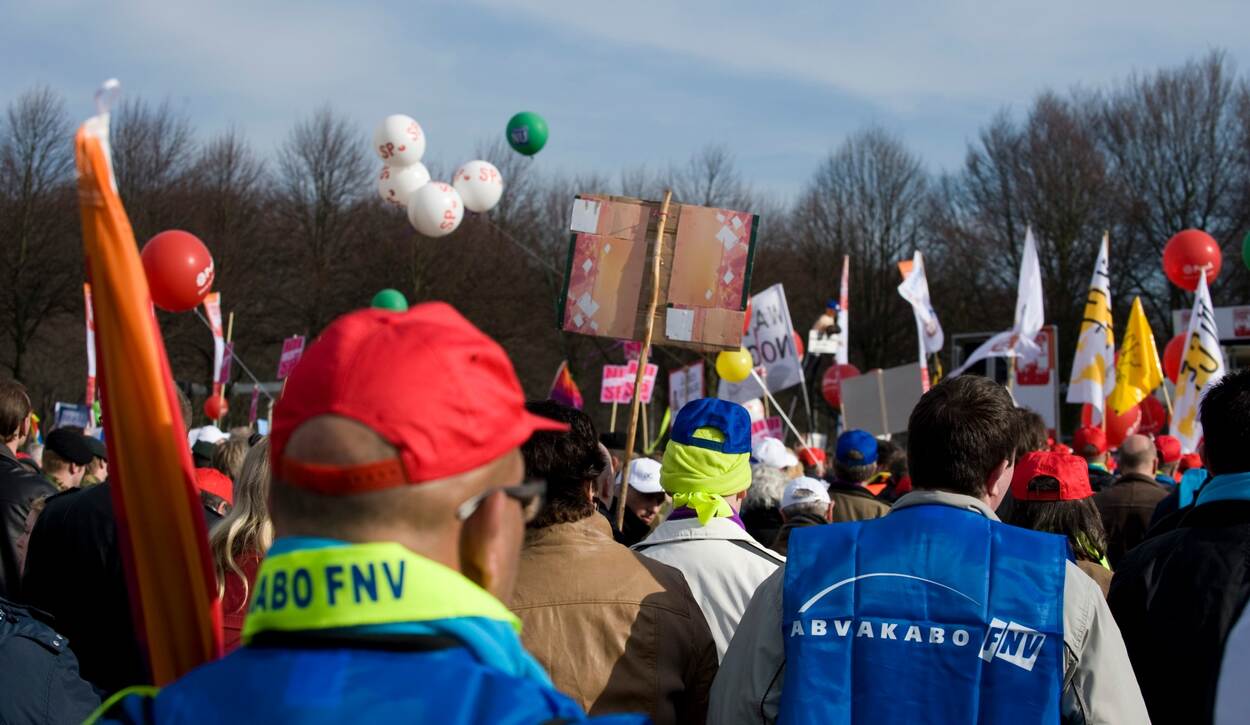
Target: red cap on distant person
1071	471
210	480
811	456
1089	436
427	381
1190	460
1169	448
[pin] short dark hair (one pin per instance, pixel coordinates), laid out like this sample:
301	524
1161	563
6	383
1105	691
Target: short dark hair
1226	424
1030	432
959	431
1078	520
568	462
14	407
854	474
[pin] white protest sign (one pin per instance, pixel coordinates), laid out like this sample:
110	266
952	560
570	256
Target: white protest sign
770	340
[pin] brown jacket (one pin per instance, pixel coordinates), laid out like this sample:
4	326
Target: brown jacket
1099	573
1126	507
618	632
852	502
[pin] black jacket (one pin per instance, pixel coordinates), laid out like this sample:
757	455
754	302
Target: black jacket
1100	479
20	487
1175	597
74	572
40	683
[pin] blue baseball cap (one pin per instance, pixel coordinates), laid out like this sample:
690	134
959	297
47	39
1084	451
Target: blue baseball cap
857	448
728	418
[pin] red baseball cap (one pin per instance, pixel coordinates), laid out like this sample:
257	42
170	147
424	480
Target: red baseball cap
1071	471
1087	436
1190	460
811	456
1169	448
210	480
427	381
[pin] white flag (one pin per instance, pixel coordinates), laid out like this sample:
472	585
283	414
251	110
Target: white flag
844	313
1201	366
1020	340
1093	367
915	289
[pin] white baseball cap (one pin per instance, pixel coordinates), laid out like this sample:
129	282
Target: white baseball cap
644	475
208	434
772	452
805	490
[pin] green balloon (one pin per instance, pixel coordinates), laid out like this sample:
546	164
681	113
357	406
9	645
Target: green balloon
1245	250
390	299
527	133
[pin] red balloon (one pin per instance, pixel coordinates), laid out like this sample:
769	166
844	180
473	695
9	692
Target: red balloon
1119	427
1189	253
798	345
831	384
1172	355
1153	416
216	407
179	270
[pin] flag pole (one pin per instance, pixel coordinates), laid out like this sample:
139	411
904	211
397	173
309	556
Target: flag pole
780	412
612	426
632	432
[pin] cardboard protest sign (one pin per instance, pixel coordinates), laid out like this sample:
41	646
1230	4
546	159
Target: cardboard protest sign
706	256
618	382
881	401
684	385
292	351
770	340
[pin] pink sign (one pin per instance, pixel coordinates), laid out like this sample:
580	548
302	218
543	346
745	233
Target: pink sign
633	351
292	350
227	364
618	382
765	428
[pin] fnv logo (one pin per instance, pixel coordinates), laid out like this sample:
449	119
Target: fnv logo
1012	643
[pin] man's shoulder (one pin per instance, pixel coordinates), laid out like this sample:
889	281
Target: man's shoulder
19	484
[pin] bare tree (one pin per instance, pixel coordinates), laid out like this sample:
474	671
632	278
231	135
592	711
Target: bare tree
153	149
40	259
323	180
710	178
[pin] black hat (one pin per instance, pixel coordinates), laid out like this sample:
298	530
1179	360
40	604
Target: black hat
69	445
98	449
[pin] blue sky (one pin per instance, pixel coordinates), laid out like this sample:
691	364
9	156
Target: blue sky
621	84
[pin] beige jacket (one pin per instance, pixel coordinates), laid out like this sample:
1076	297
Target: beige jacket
1099	685
617	632
722	564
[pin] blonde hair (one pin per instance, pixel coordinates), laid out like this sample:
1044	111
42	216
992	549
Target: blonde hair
247	528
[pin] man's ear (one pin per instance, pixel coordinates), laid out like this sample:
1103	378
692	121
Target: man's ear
999	481
23	430
829	512
486	549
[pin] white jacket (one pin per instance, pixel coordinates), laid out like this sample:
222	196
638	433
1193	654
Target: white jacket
723	566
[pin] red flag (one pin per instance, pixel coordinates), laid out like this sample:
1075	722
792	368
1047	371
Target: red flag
160	522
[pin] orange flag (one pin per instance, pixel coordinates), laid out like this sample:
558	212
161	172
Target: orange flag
160	522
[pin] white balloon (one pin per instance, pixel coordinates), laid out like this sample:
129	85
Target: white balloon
480	185
399	141
435	209
396	183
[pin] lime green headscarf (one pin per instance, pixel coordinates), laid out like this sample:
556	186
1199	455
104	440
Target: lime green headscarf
700	478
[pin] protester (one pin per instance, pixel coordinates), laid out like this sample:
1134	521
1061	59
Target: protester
707	470
228	458
1177	595
1030	436
20	486
1052	494
1232	697
805	503
97	470
617	631
402	508
889	455
854	464
769	477
644	501
65	458
1128	504
885	618
814	461
1168	449
203	442
41	683
239	541
1090	442
216	492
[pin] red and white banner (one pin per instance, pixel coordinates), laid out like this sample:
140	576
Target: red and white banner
292	351
633	350
86	294
227	365
618	382
212	308
769	427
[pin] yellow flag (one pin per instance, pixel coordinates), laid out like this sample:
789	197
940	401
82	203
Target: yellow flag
1138	371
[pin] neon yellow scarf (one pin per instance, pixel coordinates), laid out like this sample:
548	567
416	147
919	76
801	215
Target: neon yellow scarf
701	478
362	584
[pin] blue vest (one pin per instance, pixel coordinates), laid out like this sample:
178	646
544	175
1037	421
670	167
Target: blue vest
930	614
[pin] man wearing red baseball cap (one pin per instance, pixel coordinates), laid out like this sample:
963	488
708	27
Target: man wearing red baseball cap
1169	449
1090	442
399	507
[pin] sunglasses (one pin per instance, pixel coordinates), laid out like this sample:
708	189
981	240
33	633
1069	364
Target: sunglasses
529	494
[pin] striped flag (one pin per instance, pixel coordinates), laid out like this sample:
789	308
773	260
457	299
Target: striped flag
160	522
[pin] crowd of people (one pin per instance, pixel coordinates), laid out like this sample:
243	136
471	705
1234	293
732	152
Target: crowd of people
415	545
